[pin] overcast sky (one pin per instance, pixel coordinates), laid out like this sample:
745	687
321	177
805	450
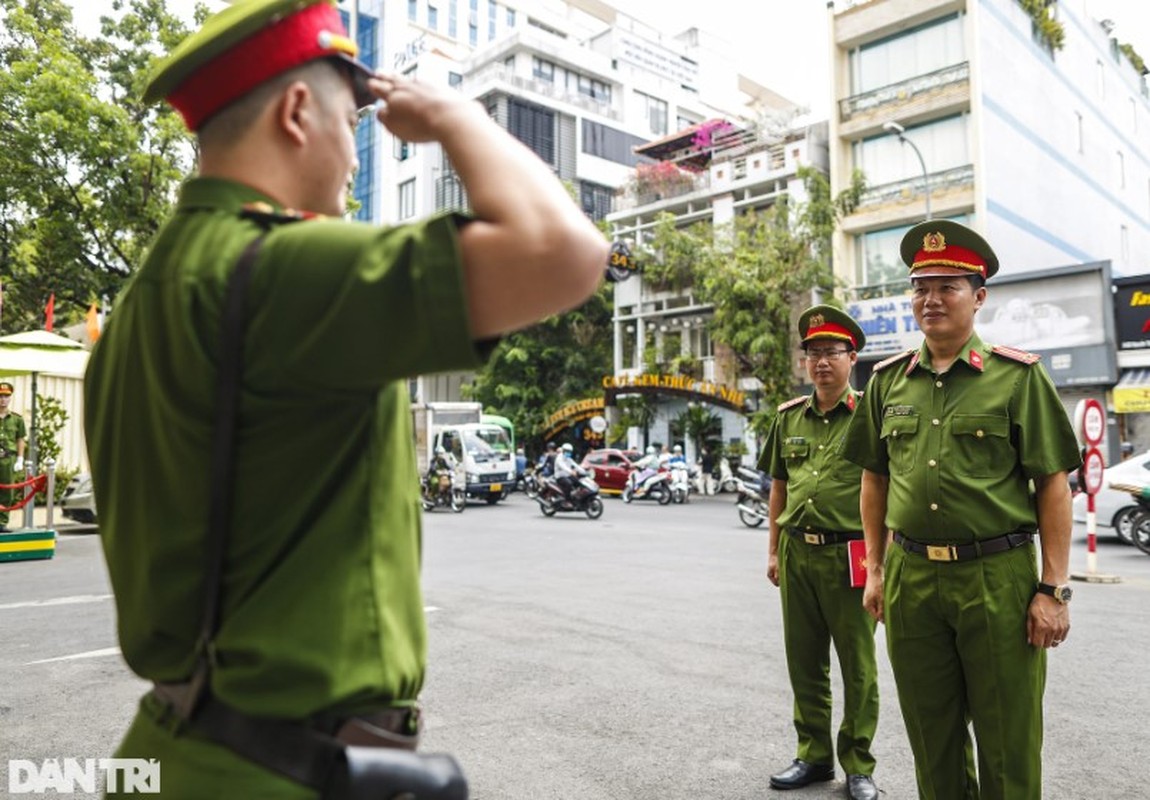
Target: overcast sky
782	44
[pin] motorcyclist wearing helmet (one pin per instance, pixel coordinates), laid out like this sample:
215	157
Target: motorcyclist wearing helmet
547	461
677	456
566	470
646	466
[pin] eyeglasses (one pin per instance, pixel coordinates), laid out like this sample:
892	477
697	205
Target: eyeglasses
818	354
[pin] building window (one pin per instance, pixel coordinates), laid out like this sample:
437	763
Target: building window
491	15
511	18
943	143
452	18
595	199
412	9
407	199
433	18
1124	243
610	143
1101	69
1133	115
1078	132
363	190
918	51
1121	170
402	150
682	122
454	80
534	126
472	34
597	90
509	63
655	112
542	70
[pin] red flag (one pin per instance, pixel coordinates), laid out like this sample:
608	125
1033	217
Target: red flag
856	555
50	312
93	322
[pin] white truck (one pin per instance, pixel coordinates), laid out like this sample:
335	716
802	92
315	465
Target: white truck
482	451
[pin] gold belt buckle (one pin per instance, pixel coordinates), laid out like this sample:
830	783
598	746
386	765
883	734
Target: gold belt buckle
941	552
813	538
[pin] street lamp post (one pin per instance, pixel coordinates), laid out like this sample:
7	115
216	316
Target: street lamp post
898	130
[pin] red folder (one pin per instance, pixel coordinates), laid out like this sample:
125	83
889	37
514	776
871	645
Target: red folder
856	557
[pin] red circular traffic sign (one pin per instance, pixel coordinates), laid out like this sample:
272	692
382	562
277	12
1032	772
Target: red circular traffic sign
1092	421
1092	469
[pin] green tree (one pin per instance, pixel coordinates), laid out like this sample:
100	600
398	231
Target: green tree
755	272
536	370
86	170
699	424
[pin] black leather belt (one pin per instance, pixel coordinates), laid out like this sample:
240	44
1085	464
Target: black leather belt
964	552
825	537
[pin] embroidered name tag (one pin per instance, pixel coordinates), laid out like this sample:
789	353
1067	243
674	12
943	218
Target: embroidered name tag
898	411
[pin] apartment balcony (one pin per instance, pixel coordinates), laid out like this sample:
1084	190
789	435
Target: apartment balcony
921	97
951	192
494	76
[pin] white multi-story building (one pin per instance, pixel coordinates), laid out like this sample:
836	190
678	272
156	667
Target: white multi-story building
579	82
1046	152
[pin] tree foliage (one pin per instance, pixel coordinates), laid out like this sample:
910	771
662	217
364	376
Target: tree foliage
86	170
536	370
755	272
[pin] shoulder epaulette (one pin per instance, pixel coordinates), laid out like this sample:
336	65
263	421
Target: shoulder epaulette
894	359
267	214
794	401
1014	354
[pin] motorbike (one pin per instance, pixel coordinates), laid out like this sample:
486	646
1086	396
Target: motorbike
529	482
584	497
443	489
726	481
752	502
680	482
1140	520
653	486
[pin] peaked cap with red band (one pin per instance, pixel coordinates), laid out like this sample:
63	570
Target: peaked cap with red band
249	43
943	247
828	322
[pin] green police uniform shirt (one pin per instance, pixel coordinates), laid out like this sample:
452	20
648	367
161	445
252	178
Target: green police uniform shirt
12	430
960	447
321	605
802	449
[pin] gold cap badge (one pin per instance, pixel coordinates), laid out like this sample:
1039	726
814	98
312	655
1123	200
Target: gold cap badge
934	242
816	321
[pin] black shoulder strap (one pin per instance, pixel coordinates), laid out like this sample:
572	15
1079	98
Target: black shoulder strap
223	465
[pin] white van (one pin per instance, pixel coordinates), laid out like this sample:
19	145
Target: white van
483	451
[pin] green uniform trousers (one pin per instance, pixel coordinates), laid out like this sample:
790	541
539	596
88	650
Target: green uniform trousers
819	607
192	768
956	633
8	496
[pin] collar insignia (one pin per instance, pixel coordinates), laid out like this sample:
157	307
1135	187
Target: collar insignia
976	360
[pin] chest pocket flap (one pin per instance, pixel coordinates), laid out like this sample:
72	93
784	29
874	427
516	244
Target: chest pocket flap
796	449
979	425
894	427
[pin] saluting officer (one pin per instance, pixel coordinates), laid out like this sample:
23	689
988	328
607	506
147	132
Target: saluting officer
322	637
951	435
814	513
13	436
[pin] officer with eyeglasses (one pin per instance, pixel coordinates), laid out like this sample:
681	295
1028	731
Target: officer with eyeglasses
814	514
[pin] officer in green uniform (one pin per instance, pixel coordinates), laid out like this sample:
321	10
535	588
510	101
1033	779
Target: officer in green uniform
12	439
814	513
322	624
952	436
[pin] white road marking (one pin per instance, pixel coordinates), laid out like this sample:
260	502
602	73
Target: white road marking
59	601
107	651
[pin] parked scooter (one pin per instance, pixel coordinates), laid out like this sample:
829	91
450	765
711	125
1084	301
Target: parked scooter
653	485
443	488
727	481
1140	520
754	489
584	497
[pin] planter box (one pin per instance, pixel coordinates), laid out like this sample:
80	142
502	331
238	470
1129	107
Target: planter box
27	545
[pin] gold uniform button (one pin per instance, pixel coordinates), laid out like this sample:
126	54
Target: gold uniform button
826	422
932	463
820	447
979	434
935	422
934	506
815	472
938	384
810	500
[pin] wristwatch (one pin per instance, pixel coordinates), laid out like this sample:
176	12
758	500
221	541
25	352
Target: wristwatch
1062	593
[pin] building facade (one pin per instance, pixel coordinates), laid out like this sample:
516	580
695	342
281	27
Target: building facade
1045	151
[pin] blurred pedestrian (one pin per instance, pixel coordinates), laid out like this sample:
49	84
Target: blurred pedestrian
13	437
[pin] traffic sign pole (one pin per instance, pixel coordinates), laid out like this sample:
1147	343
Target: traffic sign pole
1090	421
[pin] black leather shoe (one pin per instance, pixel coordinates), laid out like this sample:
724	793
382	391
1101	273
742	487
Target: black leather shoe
800	774
861	787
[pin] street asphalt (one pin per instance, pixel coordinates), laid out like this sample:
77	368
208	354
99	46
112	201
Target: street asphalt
634	657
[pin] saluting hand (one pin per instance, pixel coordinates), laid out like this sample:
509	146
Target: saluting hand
420	112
